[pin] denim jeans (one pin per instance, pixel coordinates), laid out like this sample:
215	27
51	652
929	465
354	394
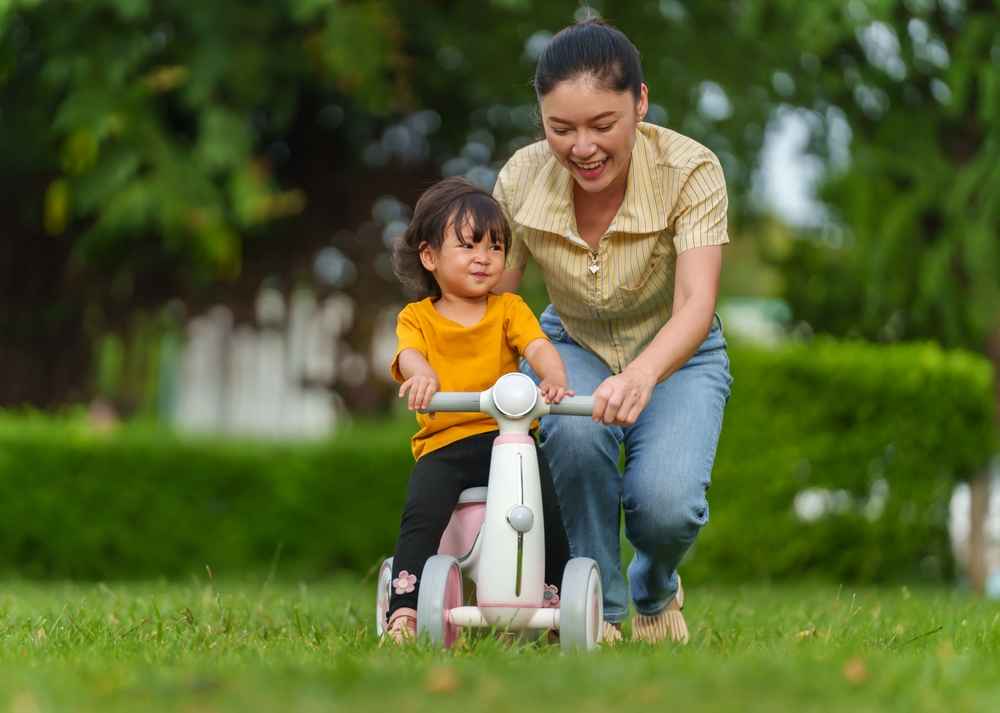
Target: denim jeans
669	452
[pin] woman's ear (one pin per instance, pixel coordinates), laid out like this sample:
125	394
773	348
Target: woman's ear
427	257
642	106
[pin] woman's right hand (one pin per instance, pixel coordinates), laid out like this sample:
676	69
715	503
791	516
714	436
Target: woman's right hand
621	397
420	387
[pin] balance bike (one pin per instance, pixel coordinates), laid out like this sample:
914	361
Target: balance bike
496	537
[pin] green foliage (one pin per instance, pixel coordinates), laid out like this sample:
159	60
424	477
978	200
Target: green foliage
904	421
155	114
918	200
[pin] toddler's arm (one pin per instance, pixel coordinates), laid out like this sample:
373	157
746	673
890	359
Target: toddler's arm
420	380
547	363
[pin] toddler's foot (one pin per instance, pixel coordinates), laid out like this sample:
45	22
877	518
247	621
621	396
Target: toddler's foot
669	623
402	627
550	596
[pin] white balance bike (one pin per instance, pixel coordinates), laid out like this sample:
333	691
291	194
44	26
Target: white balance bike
496	537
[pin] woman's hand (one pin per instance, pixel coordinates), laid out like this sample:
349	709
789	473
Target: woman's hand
421	387
554	392
621	398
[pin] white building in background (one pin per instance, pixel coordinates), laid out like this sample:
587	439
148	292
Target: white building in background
271	380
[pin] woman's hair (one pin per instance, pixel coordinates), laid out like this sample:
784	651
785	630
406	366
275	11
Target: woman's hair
453	201
592	47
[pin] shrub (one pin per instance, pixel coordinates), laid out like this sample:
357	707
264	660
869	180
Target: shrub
880	433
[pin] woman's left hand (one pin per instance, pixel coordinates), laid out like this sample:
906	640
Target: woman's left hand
621	397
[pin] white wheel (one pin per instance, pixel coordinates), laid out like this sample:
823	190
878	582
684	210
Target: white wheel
581	605
382	593
440	592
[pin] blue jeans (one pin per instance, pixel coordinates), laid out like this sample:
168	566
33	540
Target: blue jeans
669	453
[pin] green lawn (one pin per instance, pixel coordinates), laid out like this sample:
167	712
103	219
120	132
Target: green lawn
303	647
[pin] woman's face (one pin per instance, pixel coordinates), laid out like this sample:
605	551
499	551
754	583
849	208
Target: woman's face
591	130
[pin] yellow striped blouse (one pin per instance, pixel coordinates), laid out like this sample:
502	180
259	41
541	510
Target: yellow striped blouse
615	299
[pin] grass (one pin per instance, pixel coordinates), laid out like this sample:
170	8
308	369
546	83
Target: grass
260	647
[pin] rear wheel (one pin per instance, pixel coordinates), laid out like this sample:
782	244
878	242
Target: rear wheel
440	592
382	594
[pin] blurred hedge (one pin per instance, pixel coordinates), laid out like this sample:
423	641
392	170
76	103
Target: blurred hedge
904	421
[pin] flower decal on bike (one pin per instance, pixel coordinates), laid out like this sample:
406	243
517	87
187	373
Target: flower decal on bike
405	582
550	597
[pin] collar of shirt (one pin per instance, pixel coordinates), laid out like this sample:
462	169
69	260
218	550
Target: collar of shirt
549	206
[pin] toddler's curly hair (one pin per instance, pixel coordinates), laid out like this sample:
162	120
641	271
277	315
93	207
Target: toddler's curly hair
448	203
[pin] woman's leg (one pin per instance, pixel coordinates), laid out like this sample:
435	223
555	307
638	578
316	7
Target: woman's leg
583	457
670	451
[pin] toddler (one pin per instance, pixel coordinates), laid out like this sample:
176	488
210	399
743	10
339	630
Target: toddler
460	337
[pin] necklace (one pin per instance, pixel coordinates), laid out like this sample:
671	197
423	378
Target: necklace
594	267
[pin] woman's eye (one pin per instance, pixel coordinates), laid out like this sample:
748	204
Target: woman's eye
560	132
607	127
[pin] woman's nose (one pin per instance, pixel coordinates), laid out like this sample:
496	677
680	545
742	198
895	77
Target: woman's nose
583	146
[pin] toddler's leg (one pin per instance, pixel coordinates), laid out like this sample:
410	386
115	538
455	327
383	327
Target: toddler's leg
436	481
556	541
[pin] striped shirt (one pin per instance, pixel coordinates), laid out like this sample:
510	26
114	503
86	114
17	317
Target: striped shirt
613	300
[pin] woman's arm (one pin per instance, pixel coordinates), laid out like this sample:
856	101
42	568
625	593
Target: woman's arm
509	281
621	398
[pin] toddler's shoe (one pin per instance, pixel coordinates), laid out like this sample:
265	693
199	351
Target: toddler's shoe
668	623
402	627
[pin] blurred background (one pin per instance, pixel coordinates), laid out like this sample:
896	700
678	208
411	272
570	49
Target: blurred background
197	306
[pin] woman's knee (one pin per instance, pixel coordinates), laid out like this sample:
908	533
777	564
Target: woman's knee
650	525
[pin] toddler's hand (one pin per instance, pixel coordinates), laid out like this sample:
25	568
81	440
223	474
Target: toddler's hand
421	388
554	393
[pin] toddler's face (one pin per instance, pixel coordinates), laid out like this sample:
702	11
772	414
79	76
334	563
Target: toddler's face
463	268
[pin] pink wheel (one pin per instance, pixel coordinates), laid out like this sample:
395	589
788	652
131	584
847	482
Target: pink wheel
440	592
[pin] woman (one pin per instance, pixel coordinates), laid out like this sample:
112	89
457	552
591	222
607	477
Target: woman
626	221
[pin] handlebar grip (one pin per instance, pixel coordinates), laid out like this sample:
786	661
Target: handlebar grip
454	401
574	406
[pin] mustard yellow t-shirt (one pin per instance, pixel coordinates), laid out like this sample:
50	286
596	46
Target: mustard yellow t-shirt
464	359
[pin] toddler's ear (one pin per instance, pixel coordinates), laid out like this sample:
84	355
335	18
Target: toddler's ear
427	257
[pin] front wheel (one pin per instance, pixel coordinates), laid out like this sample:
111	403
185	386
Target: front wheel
581	606
440	592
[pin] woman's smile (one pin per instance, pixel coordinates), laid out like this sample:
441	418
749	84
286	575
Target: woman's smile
591	170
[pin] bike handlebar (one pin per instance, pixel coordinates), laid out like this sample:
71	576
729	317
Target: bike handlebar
574	406
468	401
454	401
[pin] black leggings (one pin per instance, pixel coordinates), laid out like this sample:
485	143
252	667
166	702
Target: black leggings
436	481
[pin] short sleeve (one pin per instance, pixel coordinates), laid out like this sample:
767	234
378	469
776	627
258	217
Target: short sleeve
517	256
702	206
521	325
409	335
